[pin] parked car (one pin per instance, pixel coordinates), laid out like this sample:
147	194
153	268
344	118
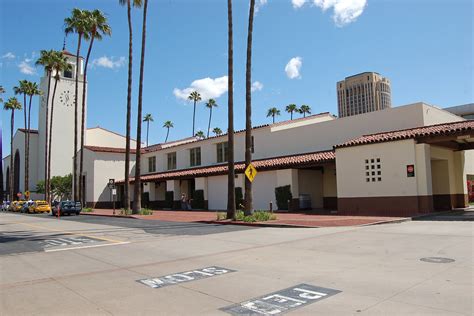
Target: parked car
67	207
39	207
25	208
16	206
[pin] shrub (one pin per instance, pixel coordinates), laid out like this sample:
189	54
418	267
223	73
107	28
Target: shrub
124	211
87	210
282	195
169	198
257	216
198	199
221	216
145	211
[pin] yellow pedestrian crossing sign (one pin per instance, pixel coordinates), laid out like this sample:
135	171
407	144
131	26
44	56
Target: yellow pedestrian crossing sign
251	172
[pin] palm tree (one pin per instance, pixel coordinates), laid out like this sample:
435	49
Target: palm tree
248	112
231	214
210	104
126	194
97	27
305	109
47	61
168	125
273	112
147	118
2	91
217	131
200	135
76	23
290	109
195	97
11	105
31	90
19	90
60	65
137	188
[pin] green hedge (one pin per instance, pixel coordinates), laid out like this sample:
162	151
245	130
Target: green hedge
282	195
198	199
169	197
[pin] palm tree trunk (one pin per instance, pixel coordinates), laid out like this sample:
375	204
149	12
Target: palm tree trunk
48	188
46	197
147	130
83	117
230	133
12	169
209	125
248	112
167	133
137	188
273	117
76	99
26	141
194	116
126	197
27	157
291	115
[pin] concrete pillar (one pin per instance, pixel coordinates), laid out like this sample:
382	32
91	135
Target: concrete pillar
424	181
459	195
289	177
174	186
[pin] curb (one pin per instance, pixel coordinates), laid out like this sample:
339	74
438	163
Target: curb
395	221
106	215
257	224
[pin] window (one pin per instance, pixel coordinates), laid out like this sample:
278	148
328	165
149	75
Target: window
67	74
222	152
152	164
195	156
375	167
172	161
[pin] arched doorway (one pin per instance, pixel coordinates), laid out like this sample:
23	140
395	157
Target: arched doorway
16	173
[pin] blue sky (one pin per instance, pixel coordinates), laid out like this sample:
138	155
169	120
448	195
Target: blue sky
425	47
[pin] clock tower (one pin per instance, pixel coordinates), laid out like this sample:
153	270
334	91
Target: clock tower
62	149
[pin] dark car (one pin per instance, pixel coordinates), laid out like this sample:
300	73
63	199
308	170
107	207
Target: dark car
67	207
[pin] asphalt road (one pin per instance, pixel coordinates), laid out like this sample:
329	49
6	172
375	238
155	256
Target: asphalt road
102	266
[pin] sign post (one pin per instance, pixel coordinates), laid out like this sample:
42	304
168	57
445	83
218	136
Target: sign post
112	191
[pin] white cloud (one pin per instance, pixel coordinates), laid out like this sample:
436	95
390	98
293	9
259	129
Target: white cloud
345	11
208	88
293	68
259	4
8	55
298	3
109	62
26	68
257	86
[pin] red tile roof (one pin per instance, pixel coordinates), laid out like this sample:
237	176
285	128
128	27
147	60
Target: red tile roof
293	161
444	129
109	149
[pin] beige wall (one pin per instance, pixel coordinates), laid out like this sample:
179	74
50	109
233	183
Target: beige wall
329	181
98	136
311	182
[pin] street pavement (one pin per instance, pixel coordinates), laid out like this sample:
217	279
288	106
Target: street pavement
110	266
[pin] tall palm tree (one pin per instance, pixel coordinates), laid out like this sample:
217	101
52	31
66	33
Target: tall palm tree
2	91
47	61
76	23
147	118
210	104
97	27
195	97
290	108
126	193
200	135
31	90
11	105
60	65
248	112
137	188
231	214
273	112
21	90
305	109
168	125
217	131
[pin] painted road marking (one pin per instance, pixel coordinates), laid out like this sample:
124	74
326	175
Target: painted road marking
90	246
281	301
182	277
67	241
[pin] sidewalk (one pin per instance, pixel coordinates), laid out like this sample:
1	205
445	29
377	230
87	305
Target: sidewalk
283	219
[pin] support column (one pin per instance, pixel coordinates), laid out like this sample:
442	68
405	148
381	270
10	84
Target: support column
424	181
174	186
459	195
289	177
201	184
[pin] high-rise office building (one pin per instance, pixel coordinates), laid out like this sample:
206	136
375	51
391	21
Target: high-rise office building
362	93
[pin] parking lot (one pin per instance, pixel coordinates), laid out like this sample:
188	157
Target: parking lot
94	266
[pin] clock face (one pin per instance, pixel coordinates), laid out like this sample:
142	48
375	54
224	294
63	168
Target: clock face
66	98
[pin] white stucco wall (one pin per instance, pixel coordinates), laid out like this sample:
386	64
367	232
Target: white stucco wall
98	136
